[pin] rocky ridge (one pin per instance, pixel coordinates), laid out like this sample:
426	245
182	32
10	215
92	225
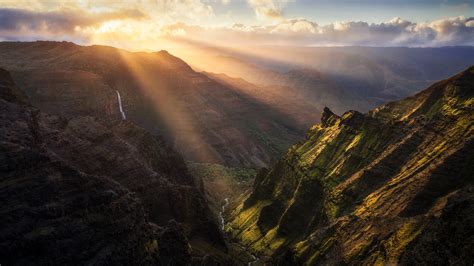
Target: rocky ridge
394	185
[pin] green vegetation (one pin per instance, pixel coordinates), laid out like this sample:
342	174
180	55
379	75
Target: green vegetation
210	171
221	182
346	193
151	246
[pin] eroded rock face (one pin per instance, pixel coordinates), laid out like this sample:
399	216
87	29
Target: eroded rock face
204	119
391	186
90	190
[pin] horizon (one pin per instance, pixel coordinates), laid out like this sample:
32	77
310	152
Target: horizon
237	132
150	25
257	45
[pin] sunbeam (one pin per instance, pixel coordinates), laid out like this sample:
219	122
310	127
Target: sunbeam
156	82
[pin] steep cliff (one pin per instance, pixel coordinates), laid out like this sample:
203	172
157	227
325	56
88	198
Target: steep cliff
394	185
90	190
205	120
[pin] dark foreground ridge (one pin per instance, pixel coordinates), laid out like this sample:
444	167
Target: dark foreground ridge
88	190
394	185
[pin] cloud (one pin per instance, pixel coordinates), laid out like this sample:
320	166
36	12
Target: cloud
399	32
295	26
396	32
268	9
122	23
21	22
191	9
169	10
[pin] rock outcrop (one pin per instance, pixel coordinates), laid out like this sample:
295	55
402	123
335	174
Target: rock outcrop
394	185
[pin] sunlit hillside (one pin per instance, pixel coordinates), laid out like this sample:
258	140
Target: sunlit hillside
236	132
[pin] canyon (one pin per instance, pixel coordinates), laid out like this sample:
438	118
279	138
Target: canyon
117	157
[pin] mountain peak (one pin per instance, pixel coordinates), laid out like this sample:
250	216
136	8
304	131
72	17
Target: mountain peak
163	52
444	98
328	118
464	81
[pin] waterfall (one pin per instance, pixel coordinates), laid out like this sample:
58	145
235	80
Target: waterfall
120	105
221	214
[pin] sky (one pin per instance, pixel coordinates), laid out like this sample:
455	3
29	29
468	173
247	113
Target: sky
147	24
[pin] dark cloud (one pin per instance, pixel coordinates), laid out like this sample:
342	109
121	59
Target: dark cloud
56	22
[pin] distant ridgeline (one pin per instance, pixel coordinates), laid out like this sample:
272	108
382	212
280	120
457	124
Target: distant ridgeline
206	119
394	185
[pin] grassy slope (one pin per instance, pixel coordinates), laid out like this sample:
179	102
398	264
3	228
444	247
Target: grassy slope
221	182
362	188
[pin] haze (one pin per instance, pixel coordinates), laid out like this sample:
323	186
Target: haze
236	132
